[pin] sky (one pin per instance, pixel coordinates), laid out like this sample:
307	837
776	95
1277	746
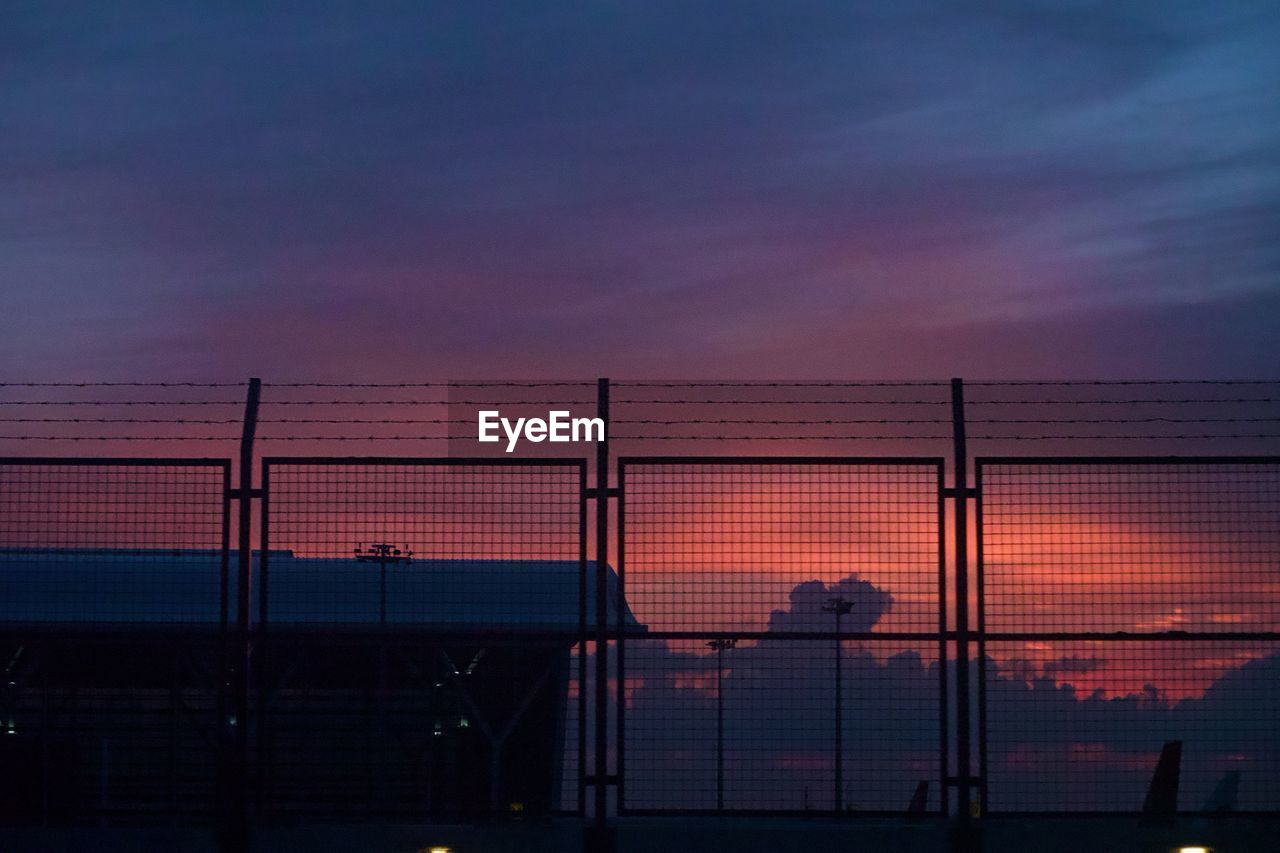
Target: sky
660	189
672	189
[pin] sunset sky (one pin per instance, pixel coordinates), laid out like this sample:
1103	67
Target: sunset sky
1018	189
649	189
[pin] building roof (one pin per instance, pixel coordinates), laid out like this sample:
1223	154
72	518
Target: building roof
132	586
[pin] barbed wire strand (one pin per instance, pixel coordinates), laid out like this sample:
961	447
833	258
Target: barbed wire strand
478	384
123	384
851	438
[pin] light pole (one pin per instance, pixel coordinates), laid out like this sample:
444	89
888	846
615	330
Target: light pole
839	607
720	645
384	555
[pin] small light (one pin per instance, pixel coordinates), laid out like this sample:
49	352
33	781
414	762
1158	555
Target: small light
1195	848
438	849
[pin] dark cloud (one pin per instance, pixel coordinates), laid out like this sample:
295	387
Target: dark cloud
806	611
660	187
1069	665
1052	745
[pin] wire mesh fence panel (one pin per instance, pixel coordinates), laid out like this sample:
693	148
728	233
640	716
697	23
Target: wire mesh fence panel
103	720
1079	545
723	545
112	541
462	592
749	725
433	542
776	597
1078	725
1130	602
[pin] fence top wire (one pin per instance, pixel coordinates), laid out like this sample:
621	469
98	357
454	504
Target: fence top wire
851	438
779	437
161	438
476	384
774	422
996	383
1120	437
1120	402
122	384
438	402
677	411
709	401
118	421
782	402
121	402
748	384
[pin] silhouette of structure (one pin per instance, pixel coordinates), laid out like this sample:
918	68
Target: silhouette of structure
425	698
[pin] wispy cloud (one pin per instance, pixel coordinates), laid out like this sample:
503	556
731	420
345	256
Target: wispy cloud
651	188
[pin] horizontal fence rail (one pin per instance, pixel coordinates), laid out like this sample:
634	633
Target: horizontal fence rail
797	600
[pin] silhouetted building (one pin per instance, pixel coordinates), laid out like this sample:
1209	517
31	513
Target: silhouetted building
462	701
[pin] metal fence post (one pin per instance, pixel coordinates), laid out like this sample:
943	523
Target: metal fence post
601	838
981	604
237	835
964	770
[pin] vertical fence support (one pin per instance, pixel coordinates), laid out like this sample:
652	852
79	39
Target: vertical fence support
980	596
236	839
584	637
965	839
600	838
944	720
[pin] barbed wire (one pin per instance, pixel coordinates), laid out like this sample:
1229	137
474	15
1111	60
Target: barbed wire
657	401
1130	411
849	438
123	384
771	422
478	384
1128	402
1128	437
826	402
118	421
995	383
747	384
656	422
158	438
982	383
1121	420
292	402
121	402
428	402
892	421
779	437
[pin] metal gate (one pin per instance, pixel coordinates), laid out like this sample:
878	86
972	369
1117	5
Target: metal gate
421	626
788	638
1127	608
